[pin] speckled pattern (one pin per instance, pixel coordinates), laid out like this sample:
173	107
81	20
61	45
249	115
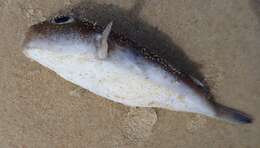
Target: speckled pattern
214	40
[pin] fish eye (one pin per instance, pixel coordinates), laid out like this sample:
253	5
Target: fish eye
62	20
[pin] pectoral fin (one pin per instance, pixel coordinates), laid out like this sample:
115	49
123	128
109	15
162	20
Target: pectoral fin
102	44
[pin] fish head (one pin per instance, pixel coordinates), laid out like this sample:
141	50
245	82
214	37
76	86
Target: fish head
60	37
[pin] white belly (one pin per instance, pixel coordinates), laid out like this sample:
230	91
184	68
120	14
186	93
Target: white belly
126	79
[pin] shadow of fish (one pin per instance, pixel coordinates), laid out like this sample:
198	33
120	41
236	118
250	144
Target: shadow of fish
113	66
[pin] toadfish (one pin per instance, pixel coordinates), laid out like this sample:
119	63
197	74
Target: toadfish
114	67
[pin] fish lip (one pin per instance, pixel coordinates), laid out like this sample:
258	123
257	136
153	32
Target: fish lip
25	44
25	52
26	48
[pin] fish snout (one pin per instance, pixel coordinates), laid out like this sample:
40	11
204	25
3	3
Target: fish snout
29	35
33	33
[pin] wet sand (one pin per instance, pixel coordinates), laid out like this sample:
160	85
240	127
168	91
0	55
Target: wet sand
213	40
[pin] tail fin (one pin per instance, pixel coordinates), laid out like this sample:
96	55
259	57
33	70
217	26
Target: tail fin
232	115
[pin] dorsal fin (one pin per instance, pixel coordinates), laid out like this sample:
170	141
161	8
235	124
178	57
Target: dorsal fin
102	50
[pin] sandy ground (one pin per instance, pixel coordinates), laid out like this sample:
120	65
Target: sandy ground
215	40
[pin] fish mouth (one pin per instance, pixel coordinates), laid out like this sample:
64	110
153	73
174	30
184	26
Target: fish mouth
26	47
30	37
29	52
26	53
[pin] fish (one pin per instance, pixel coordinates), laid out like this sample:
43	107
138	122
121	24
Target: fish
113	66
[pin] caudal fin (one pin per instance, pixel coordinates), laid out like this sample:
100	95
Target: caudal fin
232	115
